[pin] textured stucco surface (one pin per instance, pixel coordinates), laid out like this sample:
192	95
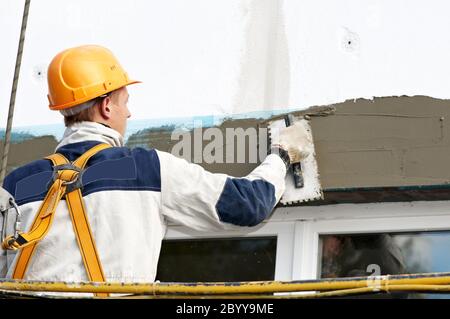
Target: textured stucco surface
384	142
390	141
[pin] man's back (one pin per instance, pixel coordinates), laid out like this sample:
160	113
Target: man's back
122	200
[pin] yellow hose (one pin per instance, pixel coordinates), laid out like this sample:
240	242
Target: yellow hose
436	282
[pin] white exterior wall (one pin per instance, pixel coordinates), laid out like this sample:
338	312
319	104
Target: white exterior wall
10	23
204	57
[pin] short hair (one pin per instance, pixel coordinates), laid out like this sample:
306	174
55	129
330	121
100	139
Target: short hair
82	112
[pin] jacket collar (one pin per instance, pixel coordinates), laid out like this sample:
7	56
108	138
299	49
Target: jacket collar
90	131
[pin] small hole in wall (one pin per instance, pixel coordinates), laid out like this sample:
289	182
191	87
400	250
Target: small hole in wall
39	72
350	41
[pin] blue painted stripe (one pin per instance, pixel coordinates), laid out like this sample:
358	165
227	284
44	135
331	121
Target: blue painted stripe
23	133
244	202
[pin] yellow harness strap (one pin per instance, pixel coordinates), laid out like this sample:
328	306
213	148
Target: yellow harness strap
44	218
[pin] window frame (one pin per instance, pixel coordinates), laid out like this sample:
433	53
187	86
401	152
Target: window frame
298	229
367	219
284	231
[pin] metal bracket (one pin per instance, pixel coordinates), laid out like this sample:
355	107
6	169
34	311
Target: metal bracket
74	184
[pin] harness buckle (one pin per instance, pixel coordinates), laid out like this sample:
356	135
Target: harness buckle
75	183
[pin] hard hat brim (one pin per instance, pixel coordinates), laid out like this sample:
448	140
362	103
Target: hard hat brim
87	98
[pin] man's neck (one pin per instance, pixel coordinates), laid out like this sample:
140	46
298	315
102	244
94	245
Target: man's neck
104	124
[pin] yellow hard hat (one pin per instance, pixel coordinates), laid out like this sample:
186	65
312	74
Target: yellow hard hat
82	73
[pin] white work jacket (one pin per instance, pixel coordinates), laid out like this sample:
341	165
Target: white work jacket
130	195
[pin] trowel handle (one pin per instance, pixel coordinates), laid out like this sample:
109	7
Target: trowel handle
296	167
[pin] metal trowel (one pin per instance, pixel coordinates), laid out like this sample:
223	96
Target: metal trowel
302	180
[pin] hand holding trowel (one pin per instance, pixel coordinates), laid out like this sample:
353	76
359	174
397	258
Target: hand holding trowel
302	181
303	153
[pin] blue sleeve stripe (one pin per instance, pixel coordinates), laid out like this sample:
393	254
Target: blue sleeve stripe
244	202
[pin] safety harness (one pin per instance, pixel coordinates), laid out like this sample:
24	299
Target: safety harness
66	182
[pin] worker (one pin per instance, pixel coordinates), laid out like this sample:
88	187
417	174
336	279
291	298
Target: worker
362	255
97	210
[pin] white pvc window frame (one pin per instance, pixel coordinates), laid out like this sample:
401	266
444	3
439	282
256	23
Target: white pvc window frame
366	219
298	229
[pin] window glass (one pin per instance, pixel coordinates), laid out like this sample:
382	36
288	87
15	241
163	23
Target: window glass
394	253
230	259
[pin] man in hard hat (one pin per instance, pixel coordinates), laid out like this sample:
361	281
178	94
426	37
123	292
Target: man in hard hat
96	210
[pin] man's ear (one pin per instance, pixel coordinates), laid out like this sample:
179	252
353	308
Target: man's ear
105	108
